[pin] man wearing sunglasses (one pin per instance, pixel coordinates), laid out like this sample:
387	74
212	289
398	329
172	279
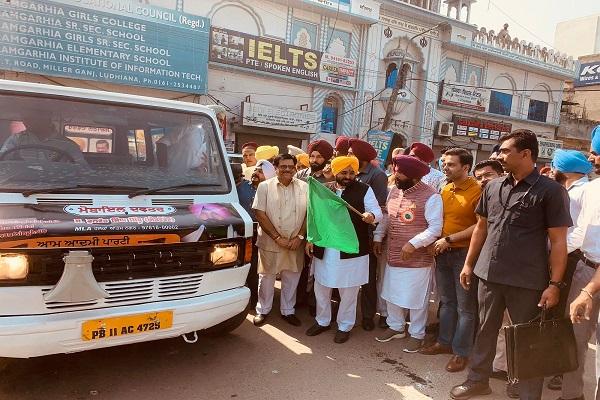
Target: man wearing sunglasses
518	215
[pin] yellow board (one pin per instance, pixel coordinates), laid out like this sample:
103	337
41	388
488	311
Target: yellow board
127	325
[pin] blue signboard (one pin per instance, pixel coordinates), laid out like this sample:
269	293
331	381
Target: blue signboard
124	42
589	74
381	141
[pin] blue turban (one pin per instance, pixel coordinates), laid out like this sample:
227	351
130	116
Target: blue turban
571	161
596	139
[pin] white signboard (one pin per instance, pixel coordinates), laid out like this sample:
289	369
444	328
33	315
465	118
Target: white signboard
286	119
342	5
465	97
366	8
408	26
547	147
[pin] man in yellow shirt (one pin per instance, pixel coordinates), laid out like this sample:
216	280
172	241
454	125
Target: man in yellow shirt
458	306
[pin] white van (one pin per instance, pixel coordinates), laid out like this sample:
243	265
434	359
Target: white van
119	222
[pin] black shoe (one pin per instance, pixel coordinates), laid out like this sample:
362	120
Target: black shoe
341	337
291	319
368	324
383	322
555	383
512	390
500	375
468	389
317	329
259	319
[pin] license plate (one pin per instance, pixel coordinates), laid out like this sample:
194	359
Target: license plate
127	325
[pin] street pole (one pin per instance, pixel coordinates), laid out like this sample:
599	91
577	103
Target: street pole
394	96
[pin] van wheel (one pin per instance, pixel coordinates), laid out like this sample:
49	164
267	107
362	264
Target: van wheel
226	326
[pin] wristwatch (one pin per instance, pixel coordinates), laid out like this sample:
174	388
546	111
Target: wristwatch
301	237
560	285
447	239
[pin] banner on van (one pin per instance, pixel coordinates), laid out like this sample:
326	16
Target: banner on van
81	226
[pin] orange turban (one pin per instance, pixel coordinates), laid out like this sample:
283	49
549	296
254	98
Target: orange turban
340	163
303	159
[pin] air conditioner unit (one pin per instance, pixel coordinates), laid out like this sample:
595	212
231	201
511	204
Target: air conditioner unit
445	129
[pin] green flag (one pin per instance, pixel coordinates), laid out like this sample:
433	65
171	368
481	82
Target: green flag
328	222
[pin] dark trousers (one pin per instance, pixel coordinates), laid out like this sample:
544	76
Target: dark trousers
252	279
522	305
368	297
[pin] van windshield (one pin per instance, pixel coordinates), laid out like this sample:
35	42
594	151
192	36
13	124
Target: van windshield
51	144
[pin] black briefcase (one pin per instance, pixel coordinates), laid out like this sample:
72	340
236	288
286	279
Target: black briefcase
542	347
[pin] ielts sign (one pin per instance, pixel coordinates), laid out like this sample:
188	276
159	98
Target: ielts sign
589	74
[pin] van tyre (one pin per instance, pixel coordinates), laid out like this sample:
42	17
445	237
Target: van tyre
226	326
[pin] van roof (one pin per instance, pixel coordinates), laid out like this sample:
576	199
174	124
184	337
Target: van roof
54	90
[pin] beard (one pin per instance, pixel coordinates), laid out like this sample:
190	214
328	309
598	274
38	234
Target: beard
314	167
344	182
404	184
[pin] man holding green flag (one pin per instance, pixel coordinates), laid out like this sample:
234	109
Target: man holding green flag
338	220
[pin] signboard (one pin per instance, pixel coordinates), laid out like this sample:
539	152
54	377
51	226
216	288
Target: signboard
479	128
465	97
91	139
408	26
381	141
264	116
548	146
366	8
589	74
124	42
268	55
342	5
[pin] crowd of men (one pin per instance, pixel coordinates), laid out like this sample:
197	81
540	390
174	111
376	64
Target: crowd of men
488	244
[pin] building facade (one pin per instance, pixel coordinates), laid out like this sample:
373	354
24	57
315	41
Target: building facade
462	86
580	36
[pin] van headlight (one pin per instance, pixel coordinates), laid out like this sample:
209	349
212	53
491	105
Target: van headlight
13	266
224	253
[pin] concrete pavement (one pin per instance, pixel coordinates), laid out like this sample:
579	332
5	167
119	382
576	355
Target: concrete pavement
276	361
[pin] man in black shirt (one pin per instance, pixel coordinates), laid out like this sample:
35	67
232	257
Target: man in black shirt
518	215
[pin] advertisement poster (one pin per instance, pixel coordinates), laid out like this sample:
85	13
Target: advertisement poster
548	147
270	117
381	141
465	97
267	55
479	128
125	42
73	226
589	74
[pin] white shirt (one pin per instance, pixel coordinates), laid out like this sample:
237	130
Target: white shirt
435	178
576	191
334	272
434	215
586	235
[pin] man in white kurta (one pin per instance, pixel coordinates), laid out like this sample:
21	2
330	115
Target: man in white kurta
335	269
414	221
280	208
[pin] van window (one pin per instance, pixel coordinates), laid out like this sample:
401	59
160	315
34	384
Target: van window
58	143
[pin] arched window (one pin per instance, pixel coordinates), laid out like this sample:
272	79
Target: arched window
391	75
332	108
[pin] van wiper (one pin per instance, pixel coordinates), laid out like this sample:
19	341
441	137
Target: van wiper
160	189
28	193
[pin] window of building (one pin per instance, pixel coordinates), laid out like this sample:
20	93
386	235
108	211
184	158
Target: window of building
474	75
453	70
538	110
330	114
500	103
304	34
391	75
